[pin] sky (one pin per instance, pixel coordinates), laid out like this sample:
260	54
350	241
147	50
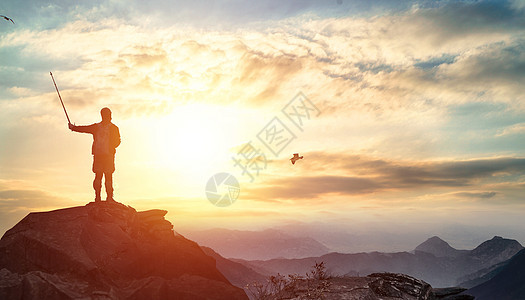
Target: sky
410	115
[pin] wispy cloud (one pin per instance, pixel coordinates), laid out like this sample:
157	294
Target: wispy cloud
514	129
357	63
17	199
481	195
364	175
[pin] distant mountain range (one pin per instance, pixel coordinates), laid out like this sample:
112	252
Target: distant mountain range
439	248
257	245
433	261
507	284
375	286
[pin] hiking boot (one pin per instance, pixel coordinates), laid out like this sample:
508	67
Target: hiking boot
97	199
110	199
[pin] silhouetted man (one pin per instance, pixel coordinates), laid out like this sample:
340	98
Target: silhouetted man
106	138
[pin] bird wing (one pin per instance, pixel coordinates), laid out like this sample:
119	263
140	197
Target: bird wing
7	18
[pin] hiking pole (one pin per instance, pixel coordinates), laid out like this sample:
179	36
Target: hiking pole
60	97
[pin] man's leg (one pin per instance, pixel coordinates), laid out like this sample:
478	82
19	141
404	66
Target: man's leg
97	185
109	186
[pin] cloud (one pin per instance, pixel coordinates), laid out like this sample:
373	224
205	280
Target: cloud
455	19
459	52
514	129
517	4
291	188
439	53
381	176
11	200
43	14
479	195
387	82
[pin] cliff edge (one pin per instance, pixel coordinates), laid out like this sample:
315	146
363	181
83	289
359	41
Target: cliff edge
106	251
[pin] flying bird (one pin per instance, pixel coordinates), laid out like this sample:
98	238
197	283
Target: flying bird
295	158
7	18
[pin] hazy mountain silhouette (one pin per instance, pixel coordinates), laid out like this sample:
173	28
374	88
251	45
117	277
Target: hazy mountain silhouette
373	287
252	245
496	250
438	271
237	273
106	251
507	284
471	280
439	248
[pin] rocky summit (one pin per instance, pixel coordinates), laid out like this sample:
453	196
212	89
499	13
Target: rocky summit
376	286
106	251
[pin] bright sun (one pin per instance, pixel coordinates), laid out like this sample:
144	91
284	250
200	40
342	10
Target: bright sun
194	141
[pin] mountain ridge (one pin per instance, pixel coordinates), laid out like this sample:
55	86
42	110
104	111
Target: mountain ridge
507	284
108	251
438	271
438	247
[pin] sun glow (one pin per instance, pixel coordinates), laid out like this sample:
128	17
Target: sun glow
194	141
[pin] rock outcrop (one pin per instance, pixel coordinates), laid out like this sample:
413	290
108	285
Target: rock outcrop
106	251
399	286
376	286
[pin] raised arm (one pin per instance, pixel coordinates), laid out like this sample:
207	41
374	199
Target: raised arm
85	129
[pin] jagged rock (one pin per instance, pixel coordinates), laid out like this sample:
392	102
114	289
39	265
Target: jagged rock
377	286
151	214
106	251
37	285
400	286
451	293
153	217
